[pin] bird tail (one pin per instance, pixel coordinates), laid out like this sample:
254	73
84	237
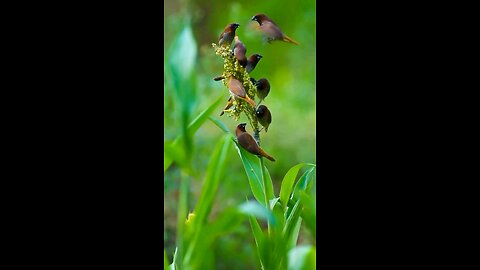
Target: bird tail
264	154
249	100
227	106
288	39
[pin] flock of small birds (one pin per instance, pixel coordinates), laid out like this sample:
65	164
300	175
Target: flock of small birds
270	32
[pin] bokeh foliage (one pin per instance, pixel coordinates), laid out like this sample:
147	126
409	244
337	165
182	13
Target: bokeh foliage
191	96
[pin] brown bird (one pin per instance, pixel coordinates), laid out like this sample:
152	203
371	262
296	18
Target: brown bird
228	34
252	62
264	116
239	51
270	30
248	142
227	106
238	91
263	88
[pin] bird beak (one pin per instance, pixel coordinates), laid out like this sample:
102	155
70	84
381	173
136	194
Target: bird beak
253	18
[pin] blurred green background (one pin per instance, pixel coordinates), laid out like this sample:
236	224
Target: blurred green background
291	136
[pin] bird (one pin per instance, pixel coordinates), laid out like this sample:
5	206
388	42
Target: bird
270	30
263	88
226	37
252	62
239	51
247	142
264	116
227	106
238	91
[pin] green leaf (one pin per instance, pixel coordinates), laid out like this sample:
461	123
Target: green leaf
181	62
173	151
259	238
287	183
309	213
165	260
304	183
279	217
252	168
219	124
170	152
273	202
268	179
255	209
302	258
183	54
292	219
292	240
215	171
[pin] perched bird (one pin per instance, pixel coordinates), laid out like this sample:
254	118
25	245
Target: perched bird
238	91
248	142
239	51
252	62
263	88
270	30
264	116
228	34
227	106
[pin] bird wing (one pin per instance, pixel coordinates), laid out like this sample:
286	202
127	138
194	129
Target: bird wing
272	30
236	88
248	142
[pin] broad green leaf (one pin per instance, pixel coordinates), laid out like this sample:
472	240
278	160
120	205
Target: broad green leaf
270	195
219	124
252	168
169	154
181	62
304	183
279	217
302	258
292	219
292	240
309	213
183	54
273	202
174	151
287	183
257	210
214	173
259	238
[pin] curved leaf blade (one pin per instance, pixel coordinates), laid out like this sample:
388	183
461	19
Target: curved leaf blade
170	156
287	183
252	168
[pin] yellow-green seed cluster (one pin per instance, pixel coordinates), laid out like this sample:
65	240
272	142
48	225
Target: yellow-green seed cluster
231	67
